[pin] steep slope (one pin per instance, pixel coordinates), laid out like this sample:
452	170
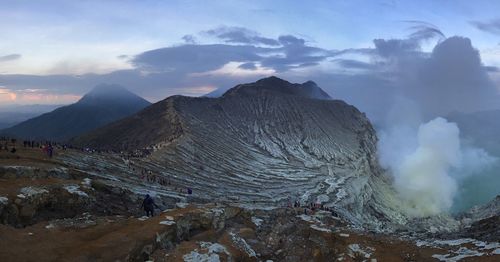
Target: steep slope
265	142
102	105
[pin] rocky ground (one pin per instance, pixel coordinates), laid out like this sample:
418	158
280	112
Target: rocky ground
65	209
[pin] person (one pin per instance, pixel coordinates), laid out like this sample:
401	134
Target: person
50	150
149	205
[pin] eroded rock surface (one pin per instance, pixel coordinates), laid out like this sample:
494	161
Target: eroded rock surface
262	143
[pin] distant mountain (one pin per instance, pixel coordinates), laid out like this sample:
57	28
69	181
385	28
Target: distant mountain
102	105
216	93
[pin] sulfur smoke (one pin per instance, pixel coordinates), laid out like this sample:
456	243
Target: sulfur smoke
427	163
421	149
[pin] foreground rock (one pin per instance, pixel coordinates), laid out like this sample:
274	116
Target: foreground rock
223	233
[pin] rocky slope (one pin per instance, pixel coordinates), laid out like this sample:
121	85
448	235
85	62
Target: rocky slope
103	105
266	142
85	206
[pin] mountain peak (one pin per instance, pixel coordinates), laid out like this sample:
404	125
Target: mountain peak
272	81
109	92
309	83
278	86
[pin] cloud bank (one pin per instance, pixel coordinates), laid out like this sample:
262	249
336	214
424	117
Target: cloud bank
369	77
10	57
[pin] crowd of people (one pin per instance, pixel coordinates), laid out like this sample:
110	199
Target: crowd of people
311	207
47	147
8	144
150	177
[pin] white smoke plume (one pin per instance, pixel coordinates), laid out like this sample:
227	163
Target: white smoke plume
428	159
427	162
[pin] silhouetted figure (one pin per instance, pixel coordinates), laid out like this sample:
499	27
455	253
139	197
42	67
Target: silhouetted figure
149	205
50	150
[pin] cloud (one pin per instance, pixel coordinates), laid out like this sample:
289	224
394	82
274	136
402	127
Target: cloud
291	40
491	69
242	55
240	35
189	39
248	66
295	53
353	64
492	26
395	47
450	78
424	31
10	57
241	45
195	58
454	79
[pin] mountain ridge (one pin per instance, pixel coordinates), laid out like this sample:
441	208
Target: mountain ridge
261	144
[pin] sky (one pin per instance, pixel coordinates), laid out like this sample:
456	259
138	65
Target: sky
53	52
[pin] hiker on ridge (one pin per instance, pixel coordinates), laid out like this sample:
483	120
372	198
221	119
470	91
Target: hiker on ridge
149	205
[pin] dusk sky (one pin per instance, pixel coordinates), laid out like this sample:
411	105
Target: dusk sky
52	52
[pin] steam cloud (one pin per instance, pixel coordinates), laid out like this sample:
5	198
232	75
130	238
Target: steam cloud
421	149
422	173
427	163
